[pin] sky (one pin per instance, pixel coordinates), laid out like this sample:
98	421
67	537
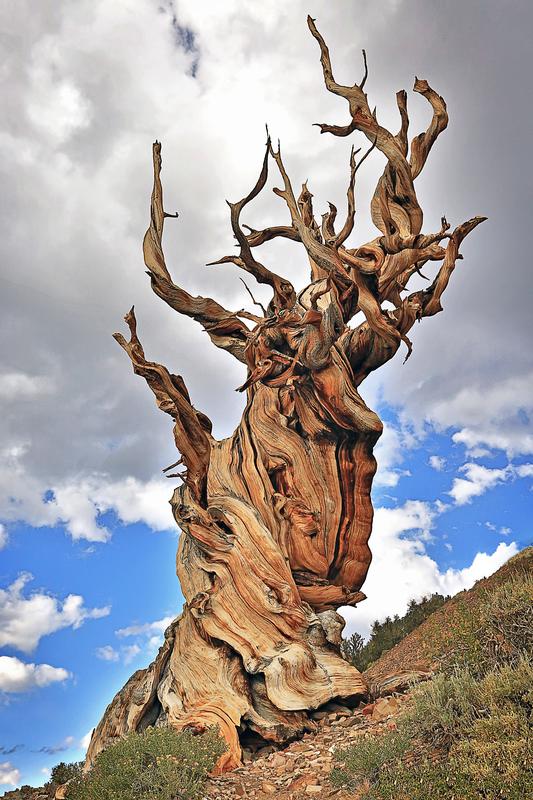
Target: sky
87	542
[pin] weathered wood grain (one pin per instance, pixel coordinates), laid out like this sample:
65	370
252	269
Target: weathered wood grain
275	520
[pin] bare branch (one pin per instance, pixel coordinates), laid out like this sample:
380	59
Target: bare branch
422	144
365	76
256	238
284	294
287	192
430	297
401	136
328	222
225	329
192	429
254	301
395	188
350	217
398	268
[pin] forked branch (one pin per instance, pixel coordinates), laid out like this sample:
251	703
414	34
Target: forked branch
395	207
225	329
284	294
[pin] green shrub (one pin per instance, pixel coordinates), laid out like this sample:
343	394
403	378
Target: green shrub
63	772
463	737
369	758
158	763
496	627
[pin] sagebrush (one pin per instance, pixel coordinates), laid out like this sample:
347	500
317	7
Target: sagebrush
462	738
158	763
467	733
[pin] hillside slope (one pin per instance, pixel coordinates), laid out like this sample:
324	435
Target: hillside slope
427	646
370	740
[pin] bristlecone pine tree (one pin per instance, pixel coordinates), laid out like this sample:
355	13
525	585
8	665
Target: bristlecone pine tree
275	520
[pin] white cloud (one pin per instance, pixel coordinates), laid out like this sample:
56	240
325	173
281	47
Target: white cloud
437	462
149	636
4	538
137	501
24	620
477	481
126	655
154	643
480	479
401	569
504	531
78	503
9	775
484	564
129	652
107	653
524	470
86	740
18	385
490	416
389	453
16	676
145	628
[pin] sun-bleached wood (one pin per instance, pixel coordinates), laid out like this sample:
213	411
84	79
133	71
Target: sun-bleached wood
275	520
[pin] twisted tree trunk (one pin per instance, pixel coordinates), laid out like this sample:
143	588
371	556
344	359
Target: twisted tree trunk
275	520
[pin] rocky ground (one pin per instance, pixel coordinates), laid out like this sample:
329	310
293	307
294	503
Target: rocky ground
302	769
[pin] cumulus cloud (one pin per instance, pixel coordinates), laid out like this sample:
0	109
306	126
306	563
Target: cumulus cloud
107	653
25	619
476	481
524	470
86	740
17	676
129	652
148	635
78	503
389	453
145	628
484	564
437	462
479	479
4	538
9	775
402	570
126	654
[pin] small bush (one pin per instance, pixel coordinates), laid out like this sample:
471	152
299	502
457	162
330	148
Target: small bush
158	763
63	772
365	761
463	737
496	629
